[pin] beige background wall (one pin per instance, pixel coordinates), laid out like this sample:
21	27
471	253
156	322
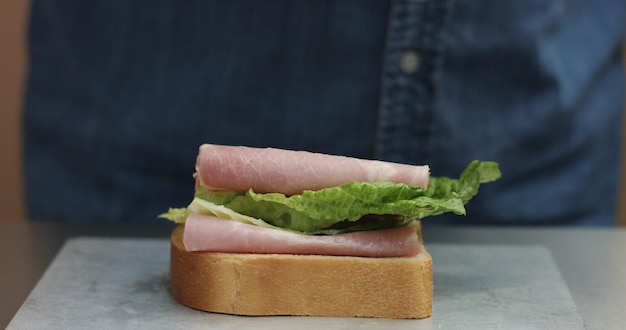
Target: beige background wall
13	54
13	15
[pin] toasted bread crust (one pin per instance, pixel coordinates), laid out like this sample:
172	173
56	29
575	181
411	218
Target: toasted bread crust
273	284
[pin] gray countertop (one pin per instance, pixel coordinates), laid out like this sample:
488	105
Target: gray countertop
590	261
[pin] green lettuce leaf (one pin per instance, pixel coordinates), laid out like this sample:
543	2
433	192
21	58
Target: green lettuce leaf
349	207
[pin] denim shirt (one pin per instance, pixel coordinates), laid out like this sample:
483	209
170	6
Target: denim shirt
120	94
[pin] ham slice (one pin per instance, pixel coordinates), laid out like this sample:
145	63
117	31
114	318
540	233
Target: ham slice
268	170
211	234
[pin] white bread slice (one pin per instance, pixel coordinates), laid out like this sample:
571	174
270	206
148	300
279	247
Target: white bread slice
274	284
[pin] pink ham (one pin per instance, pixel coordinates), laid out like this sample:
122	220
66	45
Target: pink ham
207	233
290	172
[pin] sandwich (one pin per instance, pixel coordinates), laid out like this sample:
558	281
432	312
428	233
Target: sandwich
281	232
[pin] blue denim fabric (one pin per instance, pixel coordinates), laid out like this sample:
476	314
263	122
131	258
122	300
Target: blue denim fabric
121	93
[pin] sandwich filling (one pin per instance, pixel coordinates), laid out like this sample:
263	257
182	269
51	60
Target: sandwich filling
248	200
208	233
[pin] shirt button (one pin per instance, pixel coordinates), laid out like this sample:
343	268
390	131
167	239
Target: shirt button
409	62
